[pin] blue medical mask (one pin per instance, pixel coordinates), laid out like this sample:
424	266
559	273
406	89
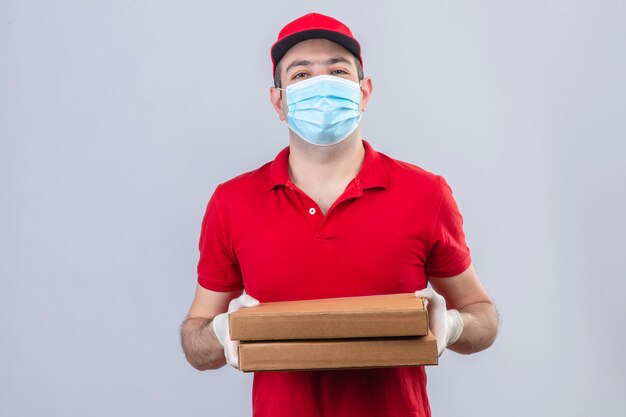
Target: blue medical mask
323	110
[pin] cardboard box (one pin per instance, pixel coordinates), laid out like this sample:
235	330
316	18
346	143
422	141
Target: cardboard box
337	354
334	318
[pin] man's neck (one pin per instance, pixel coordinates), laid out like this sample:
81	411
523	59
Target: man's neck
319	165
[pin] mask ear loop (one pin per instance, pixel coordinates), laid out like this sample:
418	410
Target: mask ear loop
280	89
361	99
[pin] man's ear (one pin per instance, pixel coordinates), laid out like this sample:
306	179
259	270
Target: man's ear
366	92
276	98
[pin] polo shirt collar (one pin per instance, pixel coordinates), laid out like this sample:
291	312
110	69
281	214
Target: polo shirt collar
371	175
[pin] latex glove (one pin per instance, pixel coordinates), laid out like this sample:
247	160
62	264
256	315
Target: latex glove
445	325
221	327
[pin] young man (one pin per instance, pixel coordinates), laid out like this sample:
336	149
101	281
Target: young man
331	217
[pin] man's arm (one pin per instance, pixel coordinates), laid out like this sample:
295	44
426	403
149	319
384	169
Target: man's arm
202	348
466	293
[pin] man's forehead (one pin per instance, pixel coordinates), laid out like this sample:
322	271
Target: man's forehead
317	50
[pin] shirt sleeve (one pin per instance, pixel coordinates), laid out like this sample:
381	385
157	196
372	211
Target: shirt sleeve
449	254
218	269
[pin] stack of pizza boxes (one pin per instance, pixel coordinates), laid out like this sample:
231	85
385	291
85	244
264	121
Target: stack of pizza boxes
338	333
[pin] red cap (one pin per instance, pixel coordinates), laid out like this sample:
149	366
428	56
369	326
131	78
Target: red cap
314	26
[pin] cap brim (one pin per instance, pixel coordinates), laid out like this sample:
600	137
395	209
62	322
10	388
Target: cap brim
281	47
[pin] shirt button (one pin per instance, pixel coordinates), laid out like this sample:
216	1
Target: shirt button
311	211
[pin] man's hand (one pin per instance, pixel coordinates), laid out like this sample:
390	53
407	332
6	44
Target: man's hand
221	327
445	325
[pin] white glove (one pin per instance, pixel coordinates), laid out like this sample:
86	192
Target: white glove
445	325
221	328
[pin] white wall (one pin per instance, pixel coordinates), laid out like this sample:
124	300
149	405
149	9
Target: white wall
118	118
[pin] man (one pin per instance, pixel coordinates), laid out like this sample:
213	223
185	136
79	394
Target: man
331	217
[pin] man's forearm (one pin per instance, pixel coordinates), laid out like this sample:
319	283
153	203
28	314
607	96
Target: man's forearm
480	327
202	348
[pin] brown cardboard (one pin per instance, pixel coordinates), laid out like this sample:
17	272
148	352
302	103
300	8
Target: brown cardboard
351	317
337	354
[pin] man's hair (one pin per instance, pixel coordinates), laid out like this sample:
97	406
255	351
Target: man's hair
277	71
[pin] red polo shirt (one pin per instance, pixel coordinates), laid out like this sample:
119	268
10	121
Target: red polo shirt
394	225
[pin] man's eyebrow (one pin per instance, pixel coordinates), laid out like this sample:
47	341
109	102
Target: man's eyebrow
337	60
329	61
302	63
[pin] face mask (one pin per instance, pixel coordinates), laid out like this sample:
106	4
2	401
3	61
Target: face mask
323	110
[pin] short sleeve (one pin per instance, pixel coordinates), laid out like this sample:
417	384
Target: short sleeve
217	268
449	254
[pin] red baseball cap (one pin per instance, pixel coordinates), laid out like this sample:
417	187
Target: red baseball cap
314	26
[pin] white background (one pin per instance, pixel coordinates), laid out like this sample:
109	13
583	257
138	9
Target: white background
118	119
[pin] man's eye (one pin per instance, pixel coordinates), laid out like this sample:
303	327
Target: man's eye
299	75
339	71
